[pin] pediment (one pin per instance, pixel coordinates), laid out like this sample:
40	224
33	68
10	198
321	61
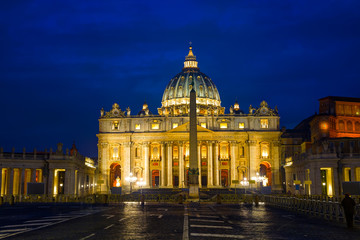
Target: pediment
186	128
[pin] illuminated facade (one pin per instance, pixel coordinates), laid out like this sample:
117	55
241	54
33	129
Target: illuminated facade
155	148
58	173
324	150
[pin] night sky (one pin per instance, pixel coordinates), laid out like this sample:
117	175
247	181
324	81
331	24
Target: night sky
61	61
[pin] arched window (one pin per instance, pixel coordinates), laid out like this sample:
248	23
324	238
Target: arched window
349	126
180	91
341	125
265	150
201	91
224	154
357	126
171	94
155	153
115	153
241	151
210	92
176	152
203	151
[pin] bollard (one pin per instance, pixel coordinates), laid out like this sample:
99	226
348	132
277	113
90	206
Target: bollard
105	199
12	200
218	199
142	199
256	200
180	199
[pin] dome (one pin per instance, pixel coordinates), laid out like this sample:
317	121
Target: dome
176	97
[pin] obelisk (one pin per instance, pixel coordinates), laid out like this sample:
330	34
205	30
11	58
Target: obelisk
193	168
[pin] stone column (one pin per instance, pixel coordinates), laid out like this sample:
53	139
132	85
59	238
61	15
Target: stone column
104	168
11	181
252	159
51	182
199	162
146	161
210	164
163	161
127	164
69	183
21	181
217	170
33	175
181	164
353	177
170	164
1	183
276	183
234	173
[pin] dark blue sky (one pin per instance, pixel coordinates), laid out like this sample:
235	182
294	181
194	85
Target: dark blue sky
61	61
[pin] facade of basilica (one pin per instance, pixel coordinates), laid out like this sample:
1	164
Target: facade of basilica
232	146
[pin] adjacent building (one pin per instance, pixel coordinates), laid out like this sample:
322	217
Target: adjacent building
323	151
56	172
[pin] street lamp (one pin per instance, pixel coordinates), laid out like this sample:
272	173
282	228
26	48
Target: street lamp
259	178
245	183
131	179
141	183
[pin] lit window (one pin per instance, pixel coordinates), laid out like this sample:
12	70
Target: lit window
115	125
175	125
203	125
137	126
264	123
155	126
223	125
241	125
265	150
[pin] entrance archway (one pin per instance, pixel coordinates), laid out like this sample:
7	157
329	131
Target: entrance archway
115	175
155	178
224	177
265	170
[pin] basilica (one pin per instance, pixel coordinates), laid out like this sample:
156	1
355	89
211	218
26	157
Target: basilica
232	146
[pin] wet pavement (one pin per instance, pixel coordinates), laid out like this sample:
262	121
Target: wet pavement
173	221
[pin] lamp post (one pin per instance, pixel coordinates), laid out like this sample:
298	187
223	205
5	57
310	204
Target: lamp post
245	183
140	183
258	178
131	179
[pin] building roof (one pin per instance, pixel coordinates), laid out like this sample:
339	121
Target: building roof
342	99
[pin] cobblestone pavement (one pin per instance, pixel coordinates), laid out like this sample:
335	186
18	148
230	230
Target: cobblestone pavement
177	221
242	222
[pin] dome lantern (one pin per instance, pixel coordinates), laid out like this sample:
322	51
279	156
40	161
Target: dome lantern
176	97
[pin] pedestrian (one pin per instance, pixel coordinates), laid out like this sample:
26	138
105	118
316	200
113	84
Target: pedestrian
349	209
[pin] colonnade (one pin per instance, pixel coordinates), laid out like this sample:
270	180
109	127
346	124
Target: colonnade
212	162
13	181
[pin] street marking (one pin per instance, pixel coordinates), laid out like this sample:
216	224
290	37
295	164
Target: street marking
209	226
45	220
89	236
111	216
217	235
122	219
61	216
160	216
44	225
13	230
22	225
109	226
205	216
206	220
162	209
186	224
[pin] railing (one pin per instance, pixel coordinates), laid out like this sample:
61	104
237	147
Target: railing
322	207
